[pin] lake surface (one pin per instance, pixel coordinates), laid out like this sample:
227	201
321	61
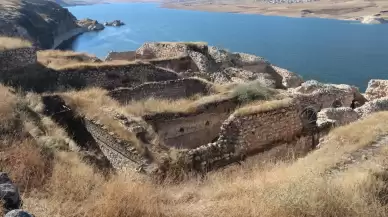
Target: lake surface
323	49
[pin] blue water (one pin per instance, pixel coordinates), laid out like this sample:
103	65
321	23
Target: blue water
323	49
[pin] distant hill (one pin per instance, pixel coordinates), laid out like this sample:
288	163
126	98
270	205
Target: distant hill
39	21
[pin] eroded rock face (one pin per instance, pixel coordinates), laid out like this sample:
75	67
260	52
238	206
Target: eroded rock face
337	116
43	22
9	193
376	89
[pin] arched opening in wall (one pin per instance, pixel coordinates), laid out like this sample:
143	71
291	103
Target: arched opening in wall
181	130
207	123
336	104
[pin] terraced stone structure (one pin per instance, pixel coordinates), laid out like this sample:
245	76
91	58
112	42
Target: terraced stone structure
172	89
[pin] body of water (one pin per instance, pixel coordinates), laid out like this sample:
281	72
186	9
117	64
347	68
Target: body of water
323	49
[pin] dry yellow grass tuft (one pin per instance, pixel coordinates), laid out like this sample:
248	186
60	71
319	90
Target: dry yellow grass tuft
94	104
294	189
86	65
262	106
57	59
7	43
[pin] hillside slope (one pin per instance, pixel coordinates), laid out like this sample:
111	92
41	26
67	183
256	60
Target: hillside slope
43	22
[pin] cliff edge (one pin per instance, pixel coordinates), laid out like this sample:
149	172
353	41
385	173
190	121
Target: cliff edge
42	22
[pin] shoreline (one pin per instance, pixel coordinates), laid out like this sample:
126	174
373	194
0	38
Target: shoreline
321	9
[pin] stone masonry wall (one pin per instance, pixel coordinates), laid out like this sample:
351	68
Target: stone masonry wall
177	64
262	129
113	76
173	89
127	55
17	58
192	130
272	133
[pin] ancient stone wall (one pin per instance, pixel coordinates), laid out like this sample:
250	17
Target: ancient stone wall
376	89
169	49
17	58
113	76
127	55
190	130
173	89
257	131
177	64
120	153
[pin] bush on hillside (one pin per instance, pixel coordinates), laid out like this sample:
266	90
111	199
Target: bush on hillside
251	91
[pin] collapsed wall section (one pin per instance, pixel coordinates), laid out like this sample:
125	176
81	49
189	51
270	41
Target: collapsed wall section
172	89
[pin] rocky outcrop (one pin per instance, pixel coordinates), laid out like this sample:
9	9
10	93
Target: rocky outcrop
90	25
376	89
373	20
114	23
9	193
44	23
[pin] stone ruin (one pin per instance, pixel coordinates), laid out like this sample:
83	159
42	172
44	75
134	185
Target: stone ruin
216	132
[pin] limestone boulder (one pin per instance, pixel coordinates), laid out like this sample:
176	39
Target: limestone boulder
373	20
380	104
9	193
337	116
221	57
244	59
289	79
238	75
18	213
376	89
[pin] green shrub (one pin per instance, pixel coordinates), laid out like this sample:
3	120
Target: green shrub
251	91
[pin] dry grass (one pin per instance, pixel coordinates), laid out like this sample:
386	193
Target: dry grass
262	106
57	59
83	65
293	189
27	165
7	43
94	104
